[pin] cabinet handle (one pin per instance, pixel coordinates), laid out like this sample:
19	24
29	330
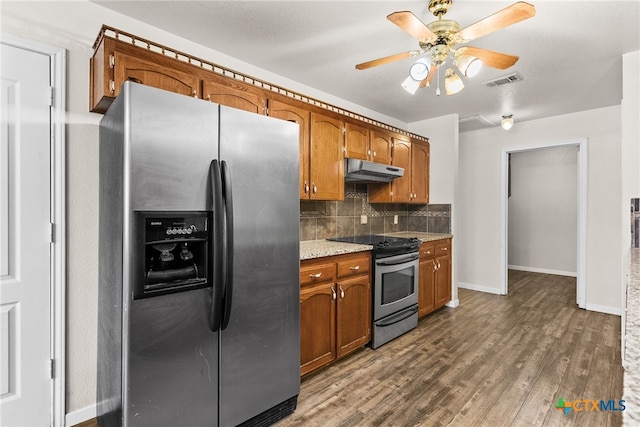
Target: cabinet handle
315	276
354	268
333	294
195	94
315	188
445	249
208	97
306	187
135	80
438	264
435	266
341	293
369	153
374	154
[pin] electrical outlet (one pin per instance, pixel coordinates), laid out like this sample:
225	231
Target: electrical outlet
395	219
363	219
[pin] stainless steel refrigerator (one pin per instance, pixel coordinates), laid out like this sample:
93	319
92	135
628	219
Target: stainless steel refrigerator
198	263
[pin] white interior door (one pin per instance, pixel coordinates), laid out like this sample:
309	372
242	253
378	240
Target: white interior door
25	239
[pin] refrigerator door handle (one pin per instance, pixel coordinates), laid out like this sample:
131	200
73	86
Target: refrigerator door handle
229	247
217	238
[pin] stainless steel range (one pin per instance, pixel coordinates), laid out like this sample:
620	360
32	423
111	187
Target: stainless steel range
395	285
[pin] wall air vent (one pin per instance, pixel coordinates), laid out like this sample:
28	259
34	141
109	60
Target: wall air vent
511	78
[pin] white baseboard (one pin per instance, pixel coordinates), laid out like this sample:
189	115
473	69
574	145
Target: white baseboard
544	270
604	309
453	303
80	415
480	288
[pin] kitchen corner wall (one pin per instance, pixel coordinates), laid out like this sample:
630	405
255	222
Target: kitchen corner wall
328	219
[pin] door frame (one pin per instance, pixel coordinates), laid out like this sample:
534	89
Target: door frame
57	280
581	258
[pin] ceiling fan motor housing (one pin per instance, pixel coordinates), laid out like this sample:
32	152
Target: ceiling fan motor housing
439	48
439	7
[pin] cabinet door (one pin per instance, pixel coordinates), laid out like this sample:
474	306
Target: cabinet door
234	94
356	142
381	147
326	158
317	326
401	187
153	74
420	172
443	281
354	313
301	116
426	292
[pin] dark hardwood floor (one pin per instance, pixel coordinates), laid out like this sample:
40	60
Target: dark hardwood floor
492	361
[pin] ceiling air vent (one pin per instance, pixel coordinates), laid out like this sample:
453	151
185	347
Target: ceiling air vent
511	78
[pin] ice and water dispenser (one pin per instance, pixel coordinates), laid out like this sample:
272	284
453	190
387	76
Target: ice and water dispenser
172	252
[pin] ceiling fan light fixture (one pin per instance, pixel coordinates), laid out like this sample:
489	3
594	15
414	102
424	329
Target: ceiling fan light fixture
507	122
468	65
410	85
452	82
419	70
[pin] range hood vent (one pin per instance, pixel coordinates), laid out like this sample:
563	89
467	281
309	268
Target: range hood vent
370	172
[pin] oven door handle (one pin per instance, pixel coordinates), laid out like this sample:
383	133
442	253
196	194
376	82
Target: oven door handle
395	318
399	261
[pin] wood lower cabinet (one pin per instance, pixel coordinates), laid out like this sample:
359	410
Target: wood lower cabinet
435	276
335	308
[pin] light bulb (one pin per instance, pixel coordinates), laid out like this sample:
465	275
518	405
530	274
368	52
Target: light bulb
507	122
452	82
410	85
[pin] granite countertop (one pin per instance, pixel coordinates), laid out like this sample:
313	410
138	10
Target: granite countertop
631	393
310	249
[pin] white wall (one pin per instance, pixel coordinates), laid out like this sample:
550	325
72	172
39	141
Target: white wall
74	25
480	222
443	170
543	210
630	159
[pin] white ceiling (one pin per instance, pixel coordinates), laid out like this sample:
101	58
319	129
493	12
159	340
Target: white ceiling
570	52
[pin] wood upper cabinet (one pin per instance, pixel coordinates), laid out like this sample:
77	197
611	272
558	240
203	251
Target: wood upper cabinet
335	308
115	62
365	144
435	276
381	143
129	68
356	142
419	173
301	116
413	186
326	158
232	93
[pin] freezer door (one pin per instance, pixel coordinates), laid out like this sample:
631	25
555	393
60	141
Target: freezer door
260	349
171	140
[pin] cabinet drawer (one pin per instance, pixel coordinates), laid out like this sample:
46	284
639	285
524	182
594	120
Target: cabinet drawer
427	250
354	265
317	273
443	248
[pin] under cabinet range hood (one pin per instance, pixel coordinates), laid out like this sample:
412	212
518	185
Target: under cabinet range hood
364	171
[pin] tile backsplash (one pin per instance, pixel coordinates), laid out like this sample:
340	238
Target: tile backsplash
328	219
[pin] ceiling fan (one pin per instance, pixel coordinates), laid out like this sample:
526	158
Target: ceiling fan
438	41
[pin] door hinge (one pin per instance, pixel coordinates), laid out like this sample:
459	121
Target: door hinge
112	86
112	61
52	368
50	96
52	232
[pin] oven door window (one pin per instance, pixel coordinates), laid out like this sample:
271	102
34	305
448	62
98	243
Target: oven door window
398	284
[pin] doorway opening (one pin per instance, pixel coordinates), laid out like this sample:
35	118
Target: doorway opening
580	247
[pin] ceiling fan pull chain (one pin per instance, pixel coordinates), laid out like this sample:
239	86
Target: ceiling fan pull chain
438	80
